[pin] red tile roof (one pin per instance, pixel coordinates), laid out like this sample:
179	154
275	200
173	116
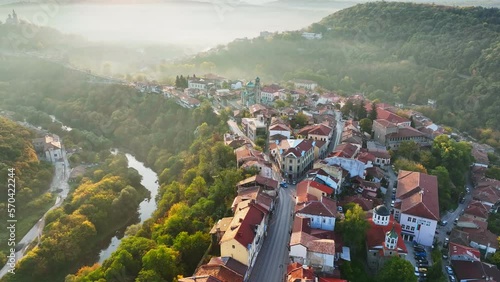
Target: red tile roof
204	278
366	157
483	237
345	150
475	271
242	227
302	193
321	246
325	207
389	116
259	179
405	132
418	193
463	251
279	127
486	194
323	188
477	209
365	204
295	272
225	269
375	236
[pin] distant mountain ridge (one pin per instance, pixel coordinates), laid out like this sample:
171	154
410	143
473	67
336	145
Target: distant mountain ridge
397	52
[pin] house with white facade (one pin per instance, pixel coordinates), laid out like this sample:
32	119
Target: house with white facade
321	132
49	147
306	84
322	213
244	236
198	83
280	128
310	250
417	206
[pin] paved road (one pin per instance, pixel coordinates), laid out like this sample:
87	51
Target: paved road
60	181
235	129
273	257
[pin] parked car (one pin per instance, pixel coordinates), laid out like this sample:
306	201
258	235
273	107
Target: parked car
283	184
455	221
448	232
340	209
294	182
392	203
416	249
393	197
422	260
452	278
423	265
445	256
443	223
421	254
449	270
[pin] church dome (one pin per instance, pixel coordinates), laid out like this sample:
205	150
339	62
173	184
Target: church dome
381	210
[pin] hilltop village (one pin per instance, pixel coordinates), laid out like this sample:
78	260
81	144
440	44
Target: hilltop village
325	161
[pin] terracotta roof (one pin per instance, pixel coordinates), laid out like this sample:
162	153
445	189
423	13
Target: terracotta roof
389	116
323	188
418	193
271	88
259	179
325	207
375	235
483	237
476	208
255	108
302	194
345	150
230	263
242	227
384	123
381	154
463	251
322	246
486	194
366	157
475	270
295	272
279	127
405	132
365	204
303	146
301	238
301	224
253	193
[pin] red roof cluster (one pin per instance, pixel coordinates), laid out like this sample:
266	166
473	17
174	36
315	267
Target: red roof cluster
418	193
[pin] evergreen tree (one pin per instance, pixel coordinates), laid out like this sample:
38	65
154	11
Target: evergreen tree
373	112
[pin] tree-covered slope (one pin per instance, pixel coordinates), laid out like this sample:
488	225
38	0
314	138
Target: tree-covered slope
32	179
393	51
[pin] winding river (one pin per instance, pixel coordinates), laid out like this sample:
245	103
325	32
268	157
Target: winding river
146	208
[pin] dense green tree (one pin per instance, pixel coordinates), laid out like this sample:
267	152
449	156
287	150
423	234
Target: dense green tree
445	190
409	150
354	227
373	112
396	269
366	125
406	164
493	172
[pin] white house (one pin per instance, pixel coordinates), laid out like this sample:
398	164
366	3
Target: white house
50	146
306	84
280	128
198	83
322	213
417	206
310	250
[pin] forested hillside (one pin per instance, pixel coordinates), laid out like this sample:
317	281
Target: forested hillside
197	174
397	52
32	179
